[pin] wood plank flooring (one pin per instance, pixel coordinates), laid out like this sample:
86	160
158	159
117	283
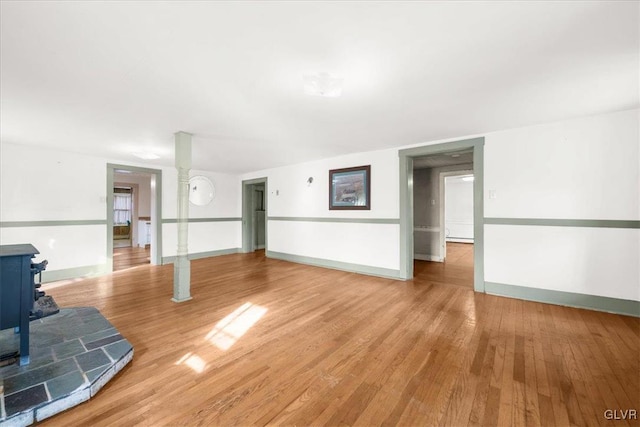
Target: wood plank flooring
128	257
270	342
457	269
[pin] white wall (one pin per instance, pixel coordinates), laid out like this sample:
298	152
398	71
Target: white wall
458	208
39	184
594	261
373	245
63	246
586	168
42	184
227	202
203	236
367	244
298	199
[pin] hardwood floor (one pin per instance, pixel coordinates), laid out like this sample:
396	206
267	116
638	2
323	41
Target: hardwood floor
270	342
457	269
128	257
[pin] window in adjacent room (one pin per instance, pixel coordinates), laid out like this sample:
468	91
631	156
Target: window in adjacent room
122	206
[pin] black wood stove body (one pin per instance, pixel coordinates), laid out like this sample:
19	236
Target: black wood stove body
19	292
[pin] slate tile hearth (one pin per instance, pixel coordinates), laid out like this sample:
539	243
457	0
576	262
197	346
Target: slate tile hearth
25	399
102	342
73	354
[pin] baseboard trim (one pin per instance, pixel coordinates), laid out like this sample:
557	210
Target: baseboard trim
569	299
52	223
386	273
335	220
74	273
193	220
423	257
555	222
198	255
459	240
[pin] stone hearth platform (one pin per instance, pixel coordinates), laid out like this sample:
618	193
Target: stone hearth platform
73	355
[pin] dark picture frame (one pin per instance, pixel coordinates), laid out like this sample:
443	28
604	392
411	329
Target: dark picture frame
350	188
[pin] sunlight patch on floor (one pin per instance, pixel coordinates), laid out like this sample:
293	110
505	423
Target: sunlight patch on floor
59	283
235	325
470	312
193	361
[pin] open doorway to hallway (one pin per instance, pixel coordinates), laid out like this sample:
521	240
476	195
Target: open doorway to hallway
443	217
423	245
254	215
131	219
134	229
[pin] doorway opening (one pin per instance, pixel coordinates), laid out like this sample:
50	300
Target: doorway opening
442	215
440	244
254	215
133	217
123	213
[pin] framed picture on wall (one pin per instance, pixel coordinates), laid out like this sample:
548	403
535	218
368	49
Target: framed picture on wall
350	188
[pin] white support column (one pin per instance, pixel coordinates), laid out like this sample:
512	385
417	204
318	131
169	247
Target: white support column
182	265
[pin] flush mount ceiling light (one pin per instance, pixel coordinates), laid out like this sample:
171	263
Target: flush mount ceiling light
467	178
322	84
146	155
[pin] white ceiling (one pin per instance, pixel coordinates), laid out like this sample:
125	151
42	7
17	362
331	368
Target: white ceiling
111	78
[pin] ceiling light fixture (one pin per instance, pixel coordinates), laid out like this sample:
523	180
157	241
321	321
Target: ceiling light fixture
322	84
468	178
146	155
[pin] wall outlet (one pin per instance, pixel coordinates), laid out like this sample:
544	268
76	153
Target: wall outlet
493	194
433	202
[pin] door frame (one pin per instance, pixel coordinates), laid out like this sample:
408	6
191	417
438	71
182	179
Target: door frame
248	223
406	157
156	211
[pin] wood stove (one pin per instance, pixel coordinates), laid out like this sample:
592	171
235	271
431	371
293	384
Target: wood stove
20	298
